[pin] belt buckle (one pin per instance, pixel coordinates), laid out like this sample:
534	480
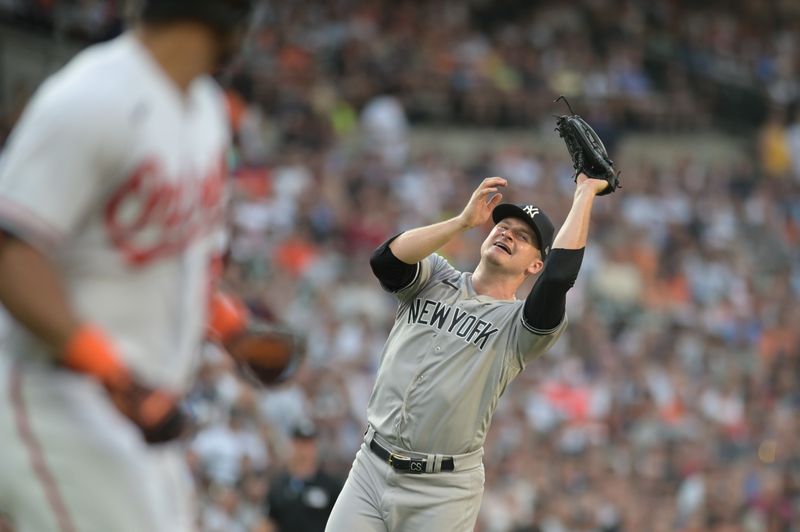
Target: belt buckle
400	457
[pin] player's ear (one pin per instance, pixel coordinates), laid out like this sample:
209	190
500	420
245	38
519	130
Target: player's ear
535	266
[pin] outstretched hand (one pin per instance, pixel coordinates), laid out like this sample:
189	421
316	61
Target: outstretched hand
595	185
485	198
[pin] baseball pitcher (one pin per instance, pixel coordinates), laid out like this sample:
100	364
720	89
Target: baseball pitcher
111	190
458	340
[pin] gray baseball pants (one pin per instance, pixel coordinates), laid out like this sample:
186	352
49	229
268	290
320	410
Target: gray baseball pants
377	498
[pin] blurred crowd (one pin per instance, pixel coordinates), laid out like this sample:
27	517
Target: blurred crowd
672	400
666	65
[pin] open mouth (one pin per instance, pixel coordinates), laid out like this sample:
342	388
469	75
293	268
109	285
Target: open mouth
504	247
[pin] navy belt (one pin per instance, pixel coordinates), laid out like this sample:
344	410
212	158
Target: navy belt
406	463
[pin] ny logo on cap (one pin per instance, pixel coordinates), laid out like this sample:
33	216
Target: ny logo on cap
530	210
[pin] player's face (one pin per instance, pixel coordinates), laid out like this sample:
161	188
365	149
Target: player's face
512	244
304	452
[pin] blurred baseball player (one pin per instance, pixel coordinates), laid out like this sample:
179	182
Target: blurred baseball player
458	340
111	189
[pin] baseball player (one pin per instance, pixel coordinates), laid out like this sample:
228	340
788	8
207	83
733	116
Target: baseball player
458	340
111	190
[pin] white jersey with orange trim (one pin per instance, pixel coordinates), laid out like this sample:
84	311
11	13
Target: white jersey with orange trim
118	177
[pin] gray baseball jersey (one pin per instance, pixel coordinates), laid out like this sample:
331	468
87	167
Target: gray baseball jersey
448	359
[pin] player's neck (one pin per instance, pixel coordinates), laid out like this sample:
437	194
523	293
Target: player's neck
494	283
183	50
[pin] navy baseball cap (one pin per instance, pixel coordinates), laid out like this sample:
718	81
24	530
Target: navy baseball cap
533	216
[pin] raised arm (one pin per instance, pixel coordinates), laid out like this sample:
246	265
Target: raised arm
545	305
575	230
414	245
395	262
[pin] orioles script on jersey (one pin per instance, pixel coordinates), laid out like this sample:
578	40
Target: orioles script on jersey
151	215
452	320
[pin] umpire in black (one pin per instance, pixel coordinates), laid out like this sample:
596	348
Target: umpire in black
301	497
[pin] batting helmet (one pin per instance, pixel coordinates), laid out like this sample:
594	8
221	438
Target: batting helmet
223	15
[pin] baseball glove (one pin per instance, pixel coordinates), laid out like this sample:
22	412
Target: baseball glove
157	413
265	354
587	151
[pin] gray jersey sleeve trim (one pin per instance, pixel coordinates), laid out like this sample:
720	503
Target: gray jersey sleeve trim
541	332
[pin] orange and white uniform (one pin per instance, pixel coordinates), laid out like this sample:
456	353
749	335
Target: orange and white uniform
118	177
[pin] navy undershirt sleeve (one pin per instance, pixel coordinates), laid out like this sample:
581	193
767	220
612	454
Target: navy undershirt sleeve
545	305
393	273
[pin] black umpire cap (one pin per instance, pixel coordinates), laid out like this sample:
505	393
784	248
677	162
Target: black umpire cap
533	216
304	430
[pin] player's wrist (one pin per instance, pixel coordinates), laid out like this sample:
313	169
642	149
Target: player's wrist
228	317
586	188
89	350
155	412
465	222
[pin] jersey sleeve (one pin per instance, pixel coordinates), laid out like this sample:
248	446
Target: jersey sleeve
392	273
51	168
430	269
529	343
